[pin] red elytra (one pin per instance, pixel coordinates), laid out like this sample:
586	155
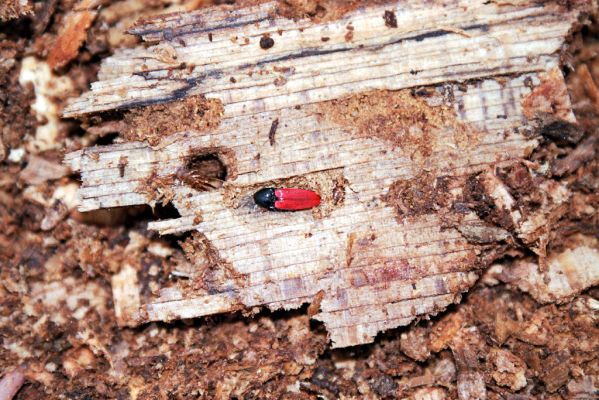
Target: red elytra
295	199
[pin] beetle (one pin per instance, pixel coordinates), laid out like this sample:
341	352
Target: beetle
286	199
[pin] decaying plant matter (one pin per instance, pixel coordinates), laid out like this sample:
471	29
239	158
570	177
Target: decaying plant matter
454	148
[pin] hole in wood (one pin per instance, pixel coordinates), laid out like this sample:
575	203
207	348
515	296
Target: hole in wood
204	172
107	139
134	217
165	211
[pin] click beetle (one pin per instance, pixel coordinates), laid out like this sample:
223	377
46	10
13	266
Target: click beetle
286	199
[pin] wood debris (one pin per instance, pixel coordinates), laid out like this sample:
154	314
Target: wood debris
12	9
568	273
509	370
73	33
402	264
500	168
46	86
126	298
40	170
193	73
11	383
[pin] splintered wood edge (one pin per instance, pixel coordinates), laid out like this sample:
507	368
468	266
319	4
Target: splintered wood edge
568	273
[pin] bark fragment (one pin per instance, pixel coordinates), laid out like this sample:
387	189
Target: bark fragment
11	382
125	292
568	273
509	370
12	9
73	33
39	170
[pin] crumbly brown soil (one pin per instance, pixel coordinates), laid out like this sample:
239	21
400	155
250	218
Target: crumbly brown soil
15	118
56	309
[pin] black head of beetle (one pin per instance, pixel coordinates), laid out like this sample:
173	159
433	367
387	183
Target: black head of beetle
266	198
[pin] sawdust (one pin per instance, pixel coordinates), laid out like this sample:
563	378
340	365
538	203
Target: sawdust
322	10
156	122
424	194
400	118
476	198
158	188
211	270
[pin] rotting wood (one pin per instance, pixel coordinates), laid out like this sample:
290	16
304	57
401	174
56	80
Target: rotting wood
569	273
73	33
126	294
378	267
11	9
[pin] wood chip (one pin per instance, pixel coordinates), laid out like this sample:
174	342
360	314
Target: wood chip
11	383
72	34
568	273
40	170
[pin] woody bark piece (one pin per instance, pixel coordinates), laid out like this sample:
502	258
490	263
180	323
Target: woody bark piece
376	253
11	382
568	273
39	170
465	346
73	33
125	293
